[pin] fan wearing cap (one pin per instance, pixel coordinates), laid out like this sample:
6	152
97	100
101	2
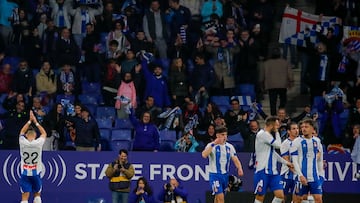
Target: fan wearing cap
87	131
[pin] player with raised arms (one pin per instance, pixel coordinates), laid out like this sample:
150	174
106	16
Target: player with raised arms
31	163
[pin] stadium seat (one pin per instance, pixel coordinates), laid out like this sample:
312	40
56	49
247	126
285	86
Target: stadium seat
116	145
104	123
105	133
236	140
246	89
167	146
88	99
90	88
121	134
220	100
168	135
13	61
105	112
123	123
64	96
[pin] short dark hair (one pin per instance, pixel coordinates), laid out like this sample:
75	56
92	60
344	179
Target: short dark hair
310	122
220	129
123	151
271	120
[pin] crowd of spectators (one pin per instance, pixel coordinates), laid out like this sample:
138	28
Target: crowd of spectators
158	54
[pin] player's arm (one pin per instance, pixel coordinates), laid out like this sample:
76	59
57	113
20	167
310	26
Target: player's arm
37	124
274	141
238	165
295	157
320	160
25	128
208	149
283	161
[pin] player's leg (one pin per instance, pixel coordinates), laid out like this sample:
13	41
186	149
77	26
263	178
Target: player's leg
277	187
25	187
316	191
296	198
37	187
216	183
260	186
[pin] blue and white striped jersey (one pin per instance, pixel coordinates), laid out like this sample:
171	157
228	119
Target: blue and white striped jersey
220	157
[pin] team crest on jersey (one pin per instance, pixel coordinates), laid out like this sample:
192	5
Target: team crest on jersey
315	144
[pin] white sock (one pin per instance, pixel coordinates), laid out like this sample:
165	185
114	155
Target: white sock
257	201
277	200
304	201
24	202
37	199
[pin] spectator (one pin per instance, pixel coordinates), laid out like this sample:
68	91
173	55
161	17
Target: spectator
249	137
87	131
191	117
42	9
178	81
31	41
23	80
54	124
6	10
12	99
141	43
173	191
113	51
120	173
236	11
139	81
66	80
46	81
127	90
355	153
48	41
187	143
90	50
83	15
107	18
156	84
38	109
6	78
179	18
128	64
61	13
318	70
201	79
211	113
150	107
235	118
146	133
223	57
117	34
155	28
66	49
275	85
247	60
179	50
142	192
209	136
13	122
111	82
210	7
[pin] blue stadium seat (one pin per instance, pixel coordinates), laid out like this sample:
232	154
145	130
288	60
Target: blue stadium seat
344	117
246	89
117	145
59	97
220	100
168	135
13	61
121	134
123	123
105	112
88	99
90	88
105	133
223	108
104	123
167	146
236	140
